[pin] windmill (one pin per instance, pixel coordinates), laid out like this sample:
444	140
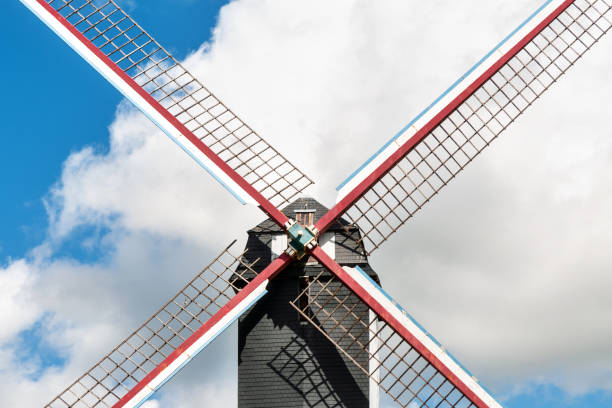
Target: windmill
402	358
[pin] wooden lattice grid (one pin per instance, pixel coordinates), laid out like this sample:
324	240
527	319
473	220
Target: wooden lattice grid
375	347
457	140
136	53
127	364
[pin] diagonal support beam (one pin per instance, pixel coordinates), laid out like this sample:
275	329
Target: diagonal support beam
366	179
378	302
171	125
247	296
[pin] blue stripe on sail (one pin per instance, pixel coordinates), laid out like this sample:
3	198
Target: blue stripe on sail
452	87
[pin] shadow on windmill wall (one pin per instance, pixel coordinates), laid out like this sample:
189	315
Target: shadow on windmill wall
284	362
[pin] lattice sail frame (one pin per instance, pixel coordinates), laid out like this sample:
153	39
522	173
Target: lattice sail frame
134	358
183	89
397	367
134	52
444	151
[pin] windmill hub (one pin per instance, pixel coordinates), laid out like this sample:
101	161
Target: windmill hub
300	239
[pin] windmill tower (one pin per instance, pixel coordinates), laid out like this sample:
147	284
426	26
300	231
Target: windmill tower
283	359
334	296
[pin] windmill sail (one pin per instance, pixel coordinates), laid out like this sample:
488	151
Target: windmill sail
426	155
206	129
405	361
146	359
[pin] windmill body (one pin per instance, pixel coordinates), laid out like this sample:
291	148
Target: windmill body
284	361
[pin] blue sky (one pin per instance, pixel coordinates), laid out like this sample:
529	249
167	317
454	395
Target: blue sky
47	79
59	105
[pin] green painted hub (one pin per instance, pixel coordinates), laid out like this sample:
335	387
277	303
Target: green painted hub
299	237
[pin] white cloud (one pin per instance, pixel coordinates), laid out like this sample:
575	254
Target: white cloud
18	310
144	183
89	308
508	266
